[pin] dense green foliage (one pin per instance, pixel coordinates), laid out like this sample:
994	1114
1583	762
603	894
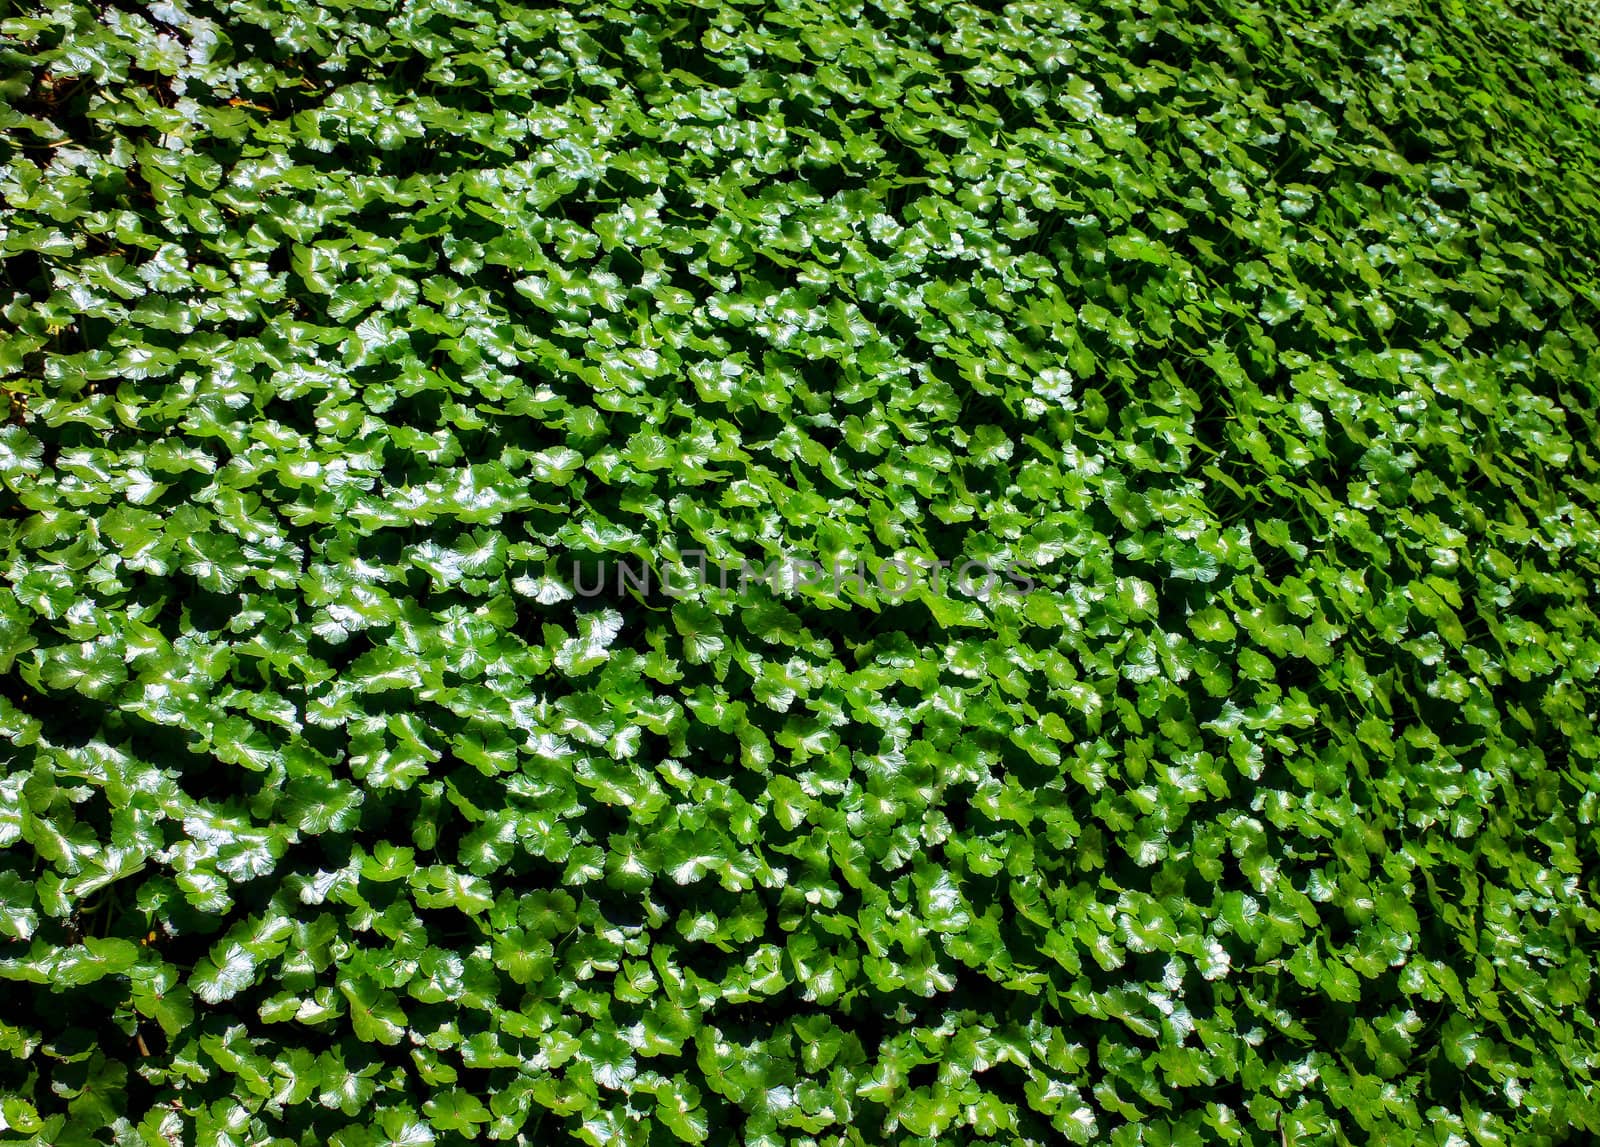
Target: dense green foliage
1262	336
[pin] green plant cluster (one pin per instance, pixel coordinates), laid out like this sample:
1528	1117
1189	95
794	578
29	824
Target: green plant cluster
1263	335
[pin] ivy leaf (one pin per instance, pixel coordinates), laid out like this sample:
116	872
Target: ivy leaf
375	1014
456	1110
227	971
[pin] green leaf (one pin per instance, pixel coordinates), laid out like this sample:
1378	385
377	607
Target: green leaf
456	1110
375	1014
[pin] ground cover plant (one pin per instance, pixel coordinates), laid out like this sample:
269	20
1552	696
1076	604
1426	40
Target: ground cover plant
1234	781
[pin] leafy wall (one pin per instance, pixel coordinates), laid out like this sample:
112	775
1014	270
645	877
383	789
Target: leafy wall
339	338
